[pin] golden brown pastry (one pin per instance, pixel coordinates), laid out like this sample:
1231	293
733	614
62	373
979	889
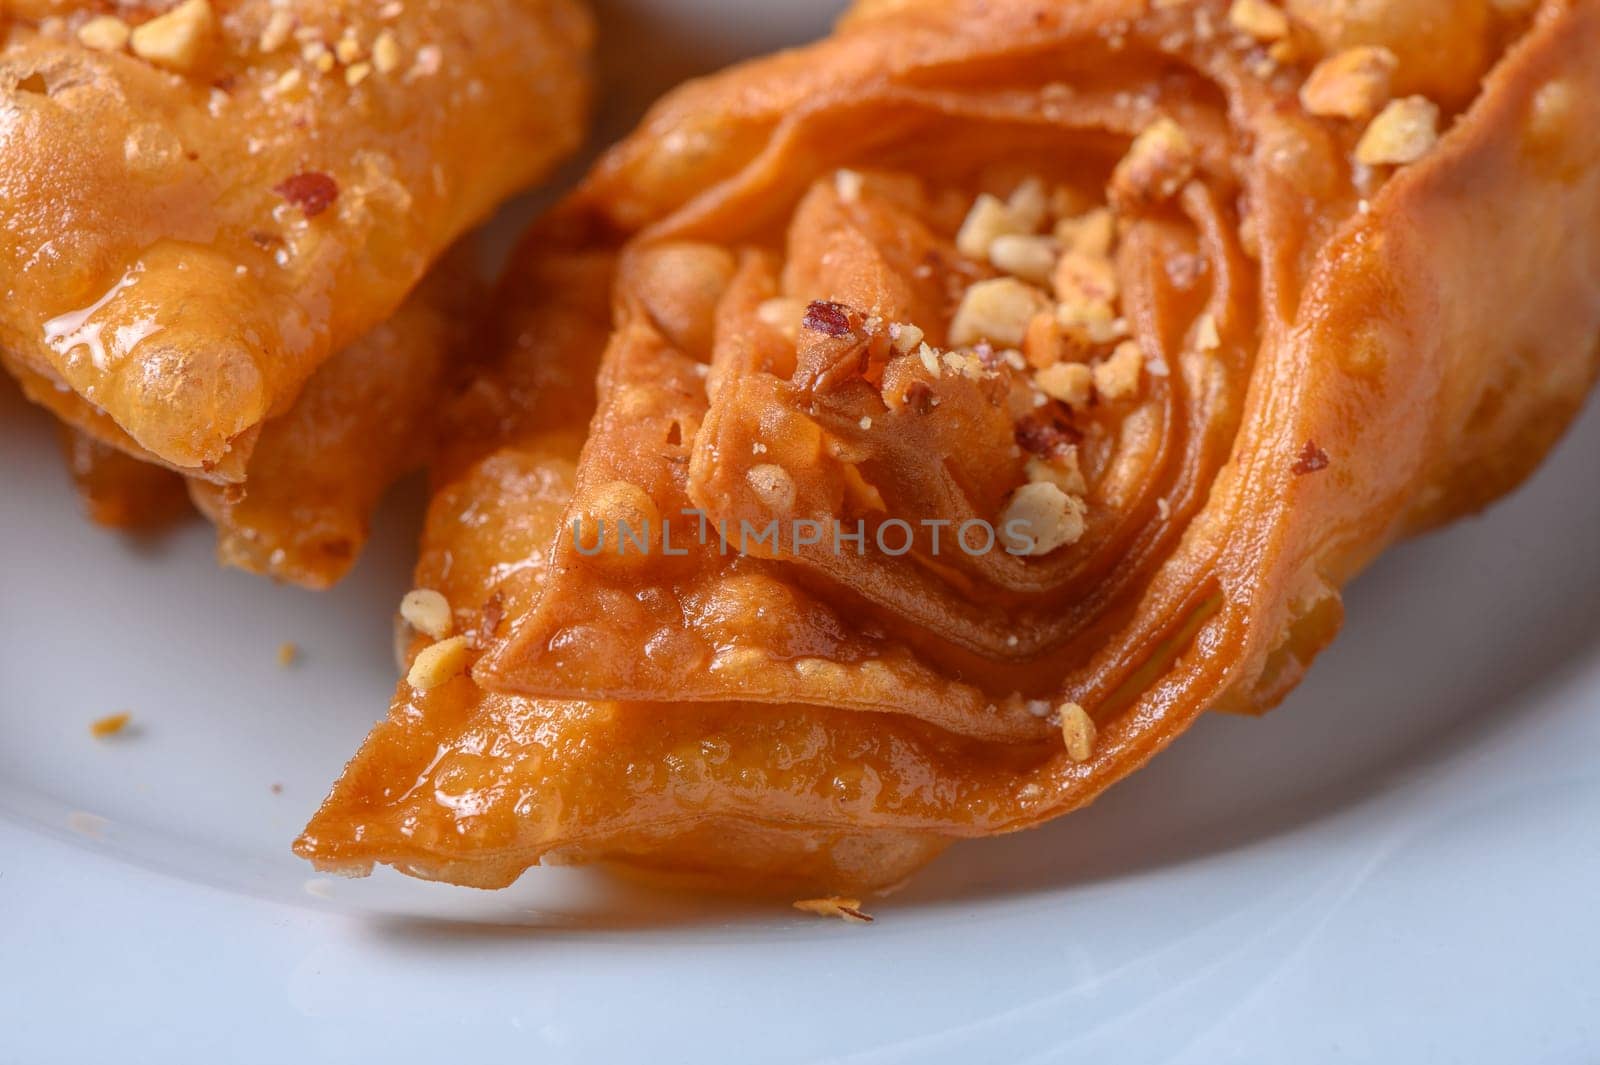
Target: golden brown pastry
204	200
1077	353
117	490
365	419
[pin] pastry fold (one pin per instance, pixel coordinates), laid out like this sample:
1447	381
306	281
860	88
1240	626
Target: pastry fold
1077	353
203	201
365	419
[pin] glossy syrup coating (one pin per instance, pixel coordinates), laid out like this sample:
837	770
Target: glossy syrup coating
1320	365
203	202
366	418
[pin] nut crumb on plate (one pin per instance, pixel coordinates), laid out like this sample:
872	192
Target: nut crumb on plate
846	909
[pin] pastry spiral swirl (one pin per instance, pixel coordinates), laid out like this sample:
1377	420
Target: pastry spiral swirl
1122	334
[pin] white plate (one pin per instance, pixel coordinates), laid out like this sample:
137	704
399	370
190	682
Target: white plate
1399	864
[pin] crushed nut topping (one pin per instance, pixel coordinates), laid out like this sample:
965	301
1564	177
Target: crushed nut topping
1354	83
1159	163
1258	19
428	612
1061	469
1067	382
987	221
846	909
1052	518
110	726
905	337
848	184
1311	459
1118	377
1206	337
1078	731
1031	258
438	664
829	319
773	485
996	310
312	192
105	33
386	55
1403	132
276	33
179	40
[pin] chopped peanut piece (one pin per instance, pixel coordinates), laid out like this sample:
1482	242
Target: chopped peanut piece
1060	469
1355	83
1404	132
1118	377
1089	234
386	53
997	311
1068	382
1028	257
988	220
428	612
357	73
1206	337
1085	279
1028	205
348	50
178	40
1077	729
107	727
1092	323
1047	517
848	184
438	664
836	906
1159	163
773	485
280	24
1258	19
1041	345
905	337
107	33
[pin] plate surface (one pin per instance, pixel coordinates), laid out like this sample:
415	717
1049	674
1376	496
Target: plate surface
1399	864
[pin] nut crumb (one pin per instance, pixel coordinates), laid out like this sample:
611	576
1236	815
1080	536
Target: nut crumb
1311	459
1403	132
772	485
428	612
988	220
386	55
847	183
997	310
1258	19
1355	83
178	40
1066	382
107	727
438	664
1160	161
280	24
106	33
846	909
1052	518
1118	377
288	652
1077	729
313	192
